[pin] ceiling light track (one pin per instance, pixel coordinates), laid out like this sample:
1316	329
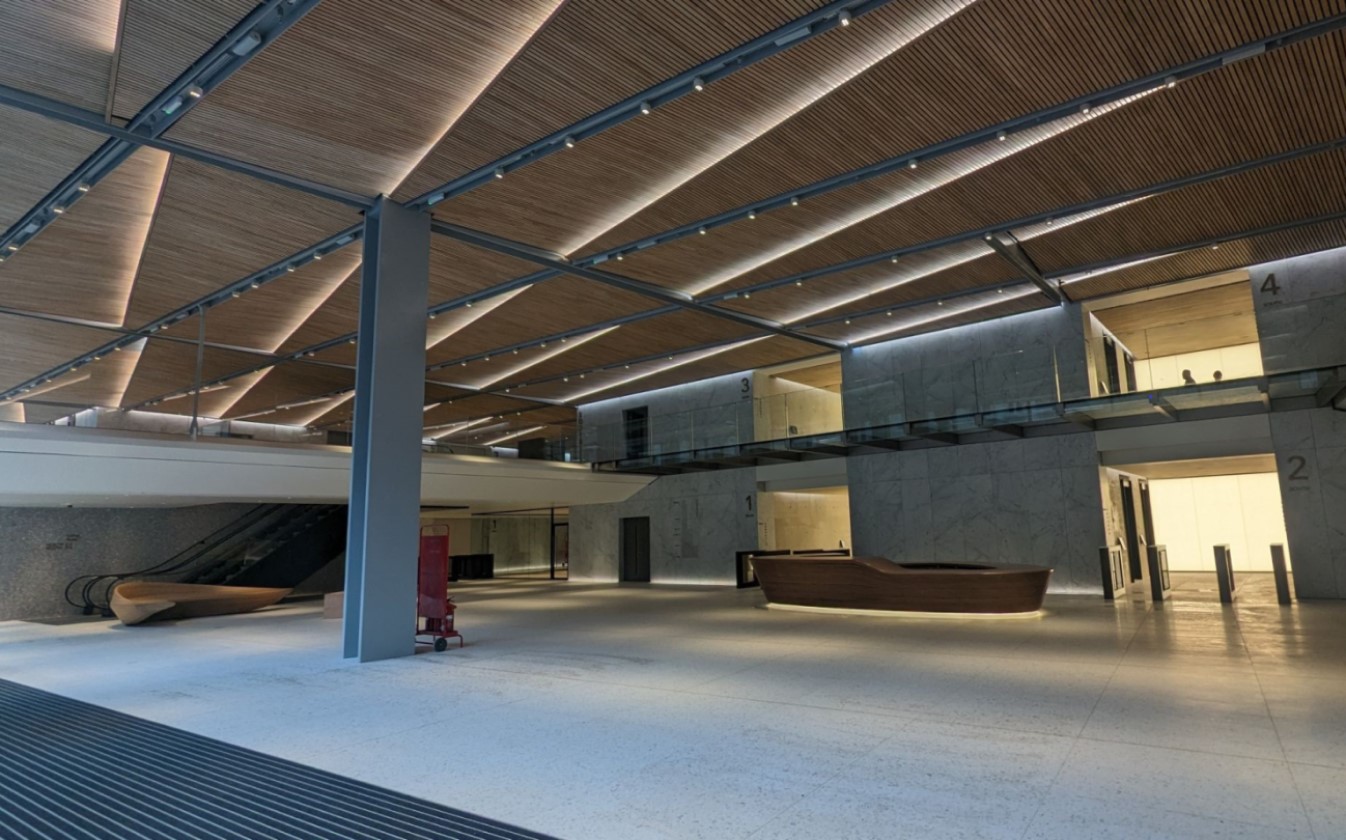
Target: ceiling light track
839	13
263	25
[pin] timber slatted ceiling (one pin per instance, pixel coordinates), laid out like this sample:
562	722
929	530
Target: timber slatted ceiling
168	366
471	407
1286	192
458	269
356	92
556	305
59	48
35	154
666	334
291	382
29	347
96	384
1218	317
338	315
161	40
214	227
1203	261
589	55
995	60
767	351
607	178
1108	154
264	318
930	319
919	276
84	266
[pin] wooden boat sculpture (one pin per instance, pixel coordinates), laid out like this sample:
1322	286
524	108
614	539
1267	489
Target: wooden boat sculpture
139	601
875	583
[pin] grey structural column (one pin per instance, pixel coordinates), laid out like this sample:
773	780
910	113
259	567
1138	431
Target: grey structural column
382	534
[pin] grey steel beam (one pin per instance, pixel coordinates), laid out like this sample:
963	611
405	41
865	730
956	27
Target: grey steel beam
838	13
92	121
240	45
1014	254
557	262
1171	75
385	500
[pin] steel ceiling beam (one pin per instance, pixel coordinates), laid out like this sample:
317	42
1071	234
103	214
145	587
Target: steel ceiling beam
979	290
1015	255
558	263
787	36
240	45
977	137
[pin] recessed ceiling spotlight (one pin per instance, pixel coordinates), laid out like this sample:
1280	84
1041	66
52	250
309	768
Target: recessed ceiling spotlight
515	351
645	108
58	210
486	358
83	188
913	163
1000	135
701	230
893	260
1051	222
799	283
890	313
255	285
235	294
499	172
794	201
1215	247
844	18
570	142
1171	82
620	257
939	303
848	320
698	84
1086	108
195	92
563	341
468	304
987	237
565	378
289	269
747	295
752	214
317	257
350	341
433	316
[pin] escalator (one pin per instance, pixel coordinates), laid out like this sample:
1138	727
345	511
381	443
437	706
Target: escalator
273	545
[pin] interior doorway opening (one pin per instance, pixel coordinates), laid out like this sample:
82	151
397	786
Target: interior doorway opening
1189	508
635	549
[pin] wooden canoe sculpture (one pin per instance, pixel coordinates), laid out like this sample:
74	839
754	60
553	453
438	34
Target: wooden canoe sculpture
875	583
139	601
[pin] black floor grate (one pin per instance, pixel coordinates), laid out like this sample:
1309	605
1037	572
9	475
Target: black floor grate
73	770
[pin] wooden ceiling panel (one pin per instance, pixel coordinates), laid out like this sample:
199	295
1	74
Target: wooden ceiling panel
948	83
922	275
35	155
1285	192
931	318
161	40
356	93
557	305
167	367
29	347
1108	154
83	265
457	269
265	318
591	54
1204	261
605	179
770	350
60	48
215	227
472	407
289	383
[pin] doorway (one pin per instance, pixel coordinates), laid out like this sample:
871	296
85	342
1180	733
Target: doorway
635	551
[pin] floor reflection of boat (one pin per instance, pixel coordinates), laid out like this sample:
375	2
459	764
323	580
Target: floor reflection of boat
138	601
874	583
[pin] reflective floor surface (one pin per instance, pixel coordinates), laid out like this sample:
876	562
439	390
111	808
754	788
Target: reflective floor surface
634	712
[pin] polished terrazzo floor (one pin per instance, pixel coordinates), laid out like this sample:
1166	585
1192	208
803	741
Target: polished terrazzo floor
636	712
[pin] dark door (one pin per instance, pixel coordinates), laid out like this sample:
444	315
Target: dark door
636	427
1135	560
636	549
1110	359
1130	365
1146	512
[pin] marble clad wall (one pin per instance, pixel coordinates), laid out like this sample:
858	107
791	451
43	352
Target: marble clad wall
1013	361
712	412
1301	316
698	522
1034	500
1311	465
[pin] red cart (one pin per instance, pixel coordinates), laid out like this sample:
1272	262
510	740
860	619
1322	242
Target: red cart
434	607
